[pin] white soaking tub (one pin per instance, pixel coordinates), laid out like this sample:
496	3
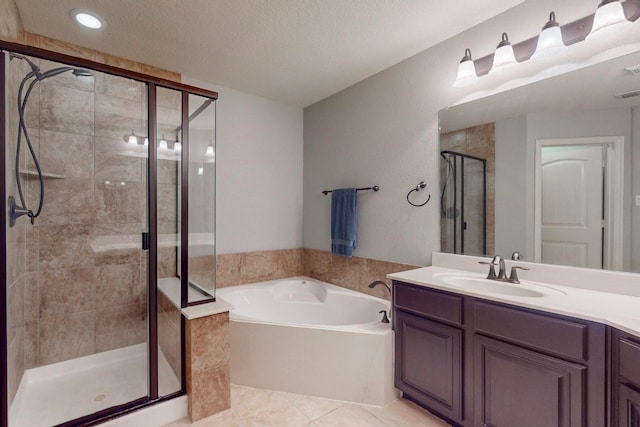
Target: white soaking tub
304	336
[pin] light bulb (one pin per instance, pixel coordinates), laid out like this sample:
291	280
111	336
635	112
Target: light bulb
133	140
466	71
146	142
200	170
608	17
163	145
209	152
177	146
550	41
504	57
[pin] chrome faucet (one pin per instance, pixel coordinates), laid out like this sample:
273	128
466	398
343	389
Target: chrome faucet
502	274
380	282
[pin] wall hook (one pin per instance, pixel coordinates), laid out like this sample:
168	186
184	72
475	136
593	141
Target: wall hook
421	185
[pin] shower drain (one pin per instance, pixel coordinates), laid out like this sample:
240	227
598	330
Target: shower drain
101	397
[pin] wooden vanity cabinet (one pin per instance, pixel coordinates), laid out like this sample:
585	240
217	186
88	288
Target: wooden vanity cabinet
428	348
537	369
484	364
625	359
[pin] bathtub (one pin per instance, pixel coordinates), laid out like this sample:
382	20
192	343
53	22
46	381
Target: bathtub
304	336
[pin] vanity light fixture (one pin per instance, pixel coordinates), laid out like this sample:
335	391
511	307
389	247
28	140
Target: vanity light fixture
163	145
132	139
87	19
550	41
201	170
177	146
609	16
466	74
504	57
210	152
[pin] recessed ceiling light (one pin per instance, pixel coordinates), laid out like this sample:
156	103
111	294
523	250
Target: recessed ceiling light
87	19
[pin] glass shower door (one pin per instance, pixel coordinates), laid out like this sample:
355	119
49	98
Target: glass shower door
75	149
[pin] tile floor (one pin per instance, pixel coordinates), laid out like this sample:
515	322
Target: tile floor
251	407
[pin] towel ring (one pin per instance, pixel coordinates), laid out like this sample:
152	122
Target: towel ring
419	187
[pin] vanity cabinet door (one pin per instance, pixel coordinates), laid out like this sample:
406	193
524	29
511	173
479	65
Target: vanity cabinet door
428	363
518	387
628	407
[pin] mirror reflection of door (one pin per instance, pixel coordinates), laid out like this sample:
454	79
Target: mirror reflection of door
572	198
578	200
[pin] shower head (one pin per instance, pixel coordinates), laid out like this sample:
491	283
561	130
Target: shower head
82	72
34	68
57	71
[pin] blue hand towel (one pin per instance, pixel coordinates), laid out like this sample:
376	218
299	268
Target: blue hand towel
344	206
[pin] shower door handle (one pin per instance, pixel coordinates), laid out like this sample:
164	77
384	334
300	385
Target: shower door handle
145	241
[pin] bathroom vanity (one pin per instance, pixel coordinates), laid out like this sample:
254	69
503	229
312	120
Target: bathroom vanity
485	353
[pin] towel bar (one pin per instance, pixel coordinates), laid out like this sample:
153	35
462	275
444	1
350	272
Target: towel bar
374	188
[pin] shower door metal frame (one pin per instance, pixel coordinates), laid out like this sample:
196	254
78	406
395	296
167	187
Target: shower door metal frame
455	199
151	83
4	345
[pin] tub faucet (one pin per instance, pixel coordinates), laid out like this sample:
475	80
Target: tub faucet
380	282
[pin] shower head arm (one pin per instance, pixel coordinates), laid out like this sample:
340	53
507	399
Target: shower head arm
34	68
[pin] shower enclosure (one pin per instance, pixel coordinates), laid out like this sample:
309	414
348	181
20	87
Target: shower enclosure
463	204
109	185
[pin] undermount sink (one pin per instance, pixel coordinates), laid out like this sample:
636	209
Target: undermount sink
479	284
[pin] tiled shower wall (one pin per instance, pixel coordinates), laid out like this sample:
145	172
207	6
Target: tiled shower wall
478	141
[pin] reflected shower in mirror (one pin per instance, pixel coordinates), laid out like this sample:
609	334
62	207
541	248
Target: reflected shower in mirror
562	169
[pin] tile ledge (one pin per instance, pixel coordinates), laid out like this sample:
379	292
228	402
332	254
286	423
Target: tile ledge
204	310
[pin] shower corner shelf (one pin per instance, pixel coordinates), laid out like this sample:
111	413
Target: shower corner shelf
45	175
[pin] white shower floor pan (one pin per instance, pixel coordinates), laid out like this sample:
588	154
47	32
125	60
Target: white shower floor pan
61	392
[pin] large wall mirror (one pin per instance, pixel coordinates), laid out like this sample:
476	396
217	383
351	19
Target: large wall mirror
550	169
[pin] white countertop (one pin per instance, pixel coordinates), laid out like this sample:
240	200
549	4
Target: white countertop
617	310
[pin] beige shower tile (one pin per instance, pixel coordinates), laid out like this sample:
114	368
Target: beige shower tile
66	110
169	98
66	154
66	48
207	342
117	168
32	247
16	250
116	61
120	87
167	196
116	117
209	391
67	78
118	202
32	296
229	269
117	243
66	291
168	172
31	345
118	285
202	271
15	360
157	72
15	302
168	121
120	326
65	246
66	337
167	262
32	39
66	201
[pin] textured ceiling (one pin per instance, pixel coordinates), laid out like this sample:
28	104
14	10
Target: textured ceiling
294	51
